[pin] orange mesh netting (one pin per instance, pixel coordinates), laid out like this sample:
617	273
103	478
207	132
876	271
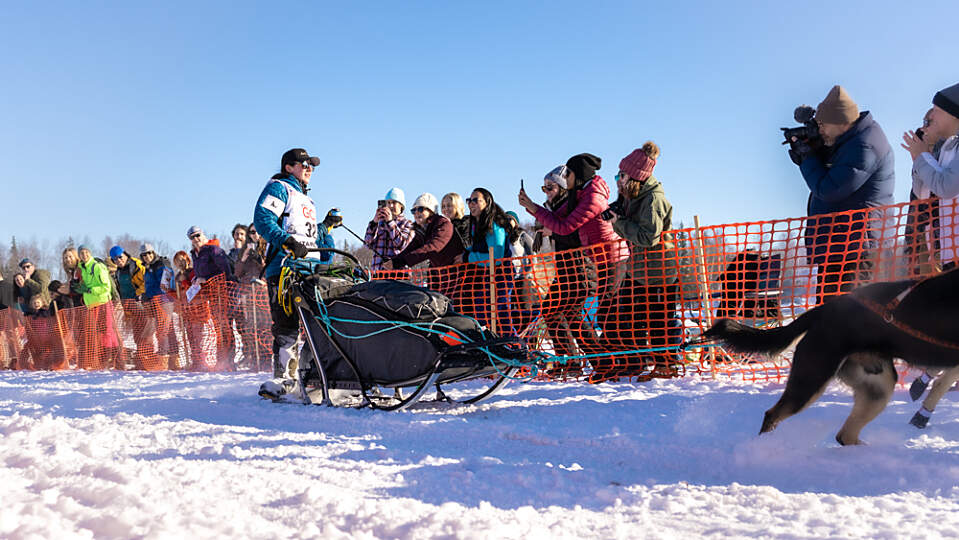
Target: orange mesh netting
604	308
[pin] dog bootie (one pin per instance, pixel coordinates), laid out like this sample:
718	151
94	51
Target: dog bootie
918	386
921	418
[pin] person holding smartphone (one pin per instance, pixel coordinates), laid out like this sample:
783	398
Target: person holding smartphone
389	232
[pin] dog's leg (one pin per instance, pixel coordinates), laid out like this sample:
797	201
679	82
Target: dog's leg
814	363
873	379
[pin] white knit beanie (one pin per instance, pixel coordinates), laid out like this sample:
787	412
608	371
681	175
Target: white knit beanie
427	200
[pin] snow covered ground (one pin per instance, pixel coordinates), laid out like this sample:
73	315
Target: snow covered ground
160	455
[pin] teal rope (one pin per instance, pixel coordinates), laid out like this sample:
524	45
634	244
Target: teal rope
431	327
564	359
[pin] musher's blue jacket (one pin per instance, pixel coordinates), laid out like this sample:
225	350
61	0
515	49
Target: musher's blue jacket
268	226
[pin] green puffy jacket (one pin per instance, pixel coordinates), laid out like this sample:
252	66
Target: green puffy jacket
96	285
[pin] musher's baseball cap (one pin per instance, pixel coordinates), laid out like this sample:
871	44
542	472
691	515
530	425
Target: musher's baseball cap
297	155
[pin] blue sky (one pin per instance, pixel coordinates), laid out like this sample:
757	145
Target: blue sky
148	117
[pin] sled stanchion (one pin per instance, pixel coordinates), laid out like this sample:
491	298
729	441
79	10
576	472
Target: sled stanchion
492	291
325	388
706	307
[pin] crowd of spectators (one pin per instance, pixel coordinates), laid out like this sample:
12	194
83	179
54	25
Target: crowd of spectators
614	285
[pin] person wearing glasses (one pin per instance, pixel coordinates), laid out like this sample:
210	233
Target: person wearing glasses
567	291
646	315
209	261
434	239
38	275
158	279
286	217
130	272
389	232
491	230
587	199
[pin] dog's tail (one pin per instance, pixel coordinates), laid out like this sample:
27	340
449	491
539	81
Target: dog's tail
772	341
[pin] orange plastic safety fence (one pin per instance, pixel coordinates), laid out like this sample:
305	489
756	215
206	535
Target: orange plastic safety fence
605	310
225	327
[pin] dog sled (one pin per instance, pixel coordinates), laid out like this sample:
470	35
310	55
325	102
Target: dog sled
384	344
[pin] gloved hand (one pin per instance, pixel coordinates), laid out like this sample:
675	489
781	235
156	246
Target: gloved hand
79	288
333	219
299	250
798	151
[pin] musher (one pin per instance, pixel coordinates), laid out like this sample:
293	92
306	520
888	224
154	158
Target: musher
286	217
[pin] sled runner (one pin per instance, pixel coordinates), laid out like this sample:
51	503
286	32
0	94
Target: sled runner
388	342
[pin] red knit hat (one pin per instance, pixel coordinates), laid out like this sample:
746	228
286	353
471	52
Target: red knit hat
640	162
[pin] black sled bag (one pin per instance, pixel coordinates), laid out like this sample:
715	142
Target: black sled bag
371	324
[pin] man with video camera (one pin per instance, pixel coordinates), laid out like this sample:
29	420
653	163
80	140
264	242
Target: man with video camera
847	163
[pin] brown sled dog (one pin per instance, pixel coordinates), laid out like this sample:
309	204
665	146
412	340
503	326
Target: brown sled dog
855	337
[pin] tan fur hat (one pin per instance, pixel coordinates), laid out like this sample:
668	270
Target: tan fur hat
837	108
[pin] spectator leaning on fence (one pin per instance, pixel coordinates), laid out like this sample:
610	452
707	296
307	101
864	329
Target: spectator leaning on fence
940	175
38	275
587	199
209	259
648	294
389	232
434	239
130	273
857	171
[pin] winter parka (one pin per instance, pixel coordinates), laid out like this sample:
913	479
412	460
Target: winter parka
591	200
267	217
130	278
437	242
859	174
157	278
645	223
95	282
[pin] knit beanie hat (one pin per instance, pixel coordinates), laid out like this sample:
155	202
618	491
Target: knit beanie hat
558	176
837	108
584	166
640	162
396	194
947	99
427	200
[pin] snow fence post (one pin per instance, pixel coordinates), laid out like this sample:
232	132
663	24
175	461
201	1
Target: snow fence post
492	291
706	307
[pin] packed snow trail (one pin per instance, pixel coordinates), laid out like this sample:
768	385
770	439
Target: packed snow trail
161	455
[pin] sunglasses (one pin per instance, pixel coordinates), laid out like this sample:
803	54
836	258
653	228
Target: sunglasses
419	209
472	200
28	265
621	176
549	187
306	165
194	236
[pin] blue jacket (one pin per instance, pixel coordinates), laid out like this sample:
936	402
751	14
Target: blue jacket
153	278
859	174
268	225
495	239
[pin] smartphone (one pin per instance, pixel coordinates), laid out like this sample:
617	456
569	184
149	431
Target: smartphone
521	188
381	203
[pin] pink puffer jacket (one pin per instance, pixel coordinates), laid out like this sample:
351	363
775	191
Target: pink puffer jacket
591	200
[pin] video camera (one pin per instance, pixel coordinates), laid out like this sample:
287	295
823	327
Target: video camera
808	132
